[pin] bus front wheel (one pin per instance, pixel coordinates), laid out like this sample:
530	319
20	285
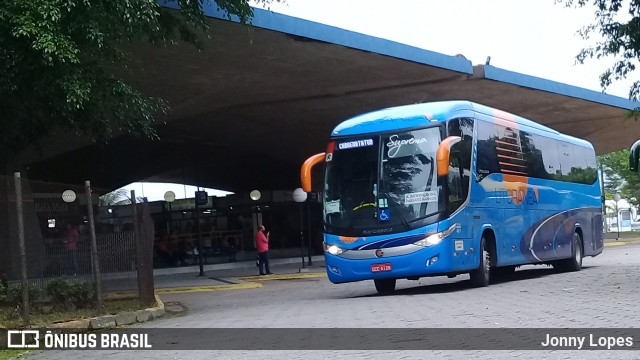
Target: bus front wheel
385	286
480	276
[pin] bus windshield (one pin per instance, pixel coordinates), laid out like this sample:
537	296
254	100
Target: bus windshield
382	181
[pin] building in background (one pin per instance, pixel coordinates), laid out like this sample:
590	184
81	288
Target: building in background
621	216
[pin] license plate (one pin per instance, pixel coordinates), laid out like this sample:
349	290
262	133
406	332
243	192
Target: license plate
381	267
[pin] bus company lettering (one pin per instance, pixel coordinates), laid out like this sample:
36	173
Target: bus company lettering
395	144
377	231
517	196
355	144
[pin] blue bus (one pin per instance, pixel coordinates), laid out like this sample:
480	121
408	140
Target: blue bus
455	187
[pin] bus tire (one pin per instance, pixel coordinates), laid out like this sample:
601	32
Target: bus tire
385	286
480	277
574	263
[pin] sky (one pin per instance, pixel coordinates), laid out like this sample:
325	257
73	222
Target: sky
156	191
533	37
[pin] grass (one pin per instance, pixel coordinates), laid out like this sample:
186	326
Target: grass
11	354
47	315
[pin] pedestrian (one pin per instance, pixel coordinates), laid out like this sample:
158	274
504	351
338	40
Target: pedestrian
71	239
164	252
262	242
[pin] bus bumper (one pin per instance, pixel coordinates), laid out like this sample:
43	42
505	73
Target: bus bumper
429	261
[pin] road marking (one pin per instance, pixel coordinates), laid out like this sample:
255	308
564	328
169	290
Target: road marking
284	276
617	243
248	285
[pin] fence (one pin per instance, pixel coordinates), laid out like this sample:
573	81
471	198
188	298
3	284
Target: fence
55	224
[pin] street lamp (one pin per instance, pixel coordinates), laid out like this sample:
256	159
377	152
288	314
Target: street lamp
169	197
617	198
300	196
255	195
69	196
201	198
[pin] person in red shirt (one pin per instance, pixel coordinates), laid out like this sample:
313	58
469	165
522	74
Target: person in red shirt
262	243
71	241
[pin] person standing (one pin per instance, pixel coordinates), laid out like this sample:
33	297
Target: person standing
71	242
262	243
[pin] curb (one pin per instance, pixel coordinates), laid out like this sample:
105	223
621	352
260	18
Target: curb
284	276
615	244
247	285
623	242
112	321
246	264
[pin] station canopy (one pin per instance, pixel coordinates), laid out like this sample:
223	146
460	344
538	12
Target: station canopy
250	108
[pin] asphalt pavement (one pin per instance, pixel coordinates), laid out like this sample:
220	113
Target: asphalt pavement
244	274
603	295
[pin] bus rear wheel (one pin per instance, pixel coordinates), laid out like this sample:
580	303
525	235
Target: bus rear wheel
385	286
574	263
480	277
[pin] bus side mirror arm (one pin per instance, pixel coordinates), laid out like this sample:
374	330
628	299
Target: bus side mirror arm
305	171
442	155
634	156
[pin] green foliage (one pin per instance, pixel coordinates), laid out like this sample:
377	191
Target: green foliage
116	197
83	294
66	295
616	170
60	292
58	60
620	39
3	293
14	295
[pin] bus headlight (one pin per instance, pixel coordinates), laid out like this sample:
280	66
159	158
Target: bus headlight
332	249
436	238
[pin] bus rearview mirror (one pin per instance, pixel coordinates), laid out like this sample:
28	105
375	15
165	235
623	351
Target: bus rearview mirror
443	153
634	156
305	171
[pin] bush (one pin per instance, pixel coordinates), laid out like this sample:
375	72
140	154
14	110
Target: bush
66	294
60	292
14	294
3	293
83	294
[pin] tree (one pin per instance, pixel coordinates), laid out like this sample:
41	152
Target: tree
117	197
619	177
620	39
57	59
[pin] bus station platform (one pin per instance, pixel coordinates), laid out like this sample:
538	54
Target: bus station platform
233	276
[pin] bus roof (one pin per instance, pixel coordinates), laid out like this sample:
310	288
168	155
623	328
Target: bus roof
417	115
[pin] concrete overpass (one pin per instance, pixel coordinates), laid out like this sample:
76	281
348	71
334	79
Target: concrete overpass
258	101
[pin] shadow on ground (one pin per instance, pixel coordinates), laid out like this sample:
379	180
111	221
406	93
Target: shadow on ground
450	287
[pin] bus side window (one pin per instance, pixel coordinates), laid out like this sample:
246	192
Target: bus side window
487	158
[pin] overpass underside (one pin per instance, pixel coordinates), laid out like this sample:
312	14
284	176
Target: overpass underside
259	100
